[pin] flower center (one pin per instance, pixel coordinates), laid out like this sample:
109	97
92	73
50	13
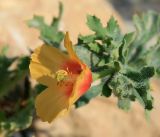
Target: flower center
61	75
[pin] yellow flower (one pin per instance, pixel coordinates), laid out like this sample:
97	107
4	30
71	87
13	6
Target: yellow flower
66	77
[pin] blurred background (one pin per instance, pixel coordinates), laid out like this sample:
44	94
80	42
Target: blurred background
101	117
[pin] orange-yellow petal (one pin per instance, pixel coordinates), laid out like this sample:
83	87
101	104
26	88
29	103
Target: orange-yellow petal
41	73
81	85
45	61
51	103
68	45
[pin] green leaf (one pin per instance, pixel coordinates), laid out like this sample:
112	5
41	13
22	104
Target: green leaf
95	25
10	78
133	85
106	91
139	98
49	33
5	73
2	116
129	39
37	22
24	63
86	39
144	74
147	27
123	49
147	72
124	104
86	55
40	88
94	47
56	21
117	66
147	115
153	56
113	29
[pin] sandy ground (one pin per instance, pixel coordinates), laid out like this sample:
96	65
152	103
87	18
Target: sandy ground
101	117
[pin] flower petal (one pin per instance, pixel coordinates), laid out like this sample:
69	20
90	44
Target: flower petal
51	103
40	73
45	61
68	45
81	85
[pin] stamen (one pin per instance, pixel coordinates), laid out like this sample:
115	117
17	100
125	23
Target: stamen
60	76
67	70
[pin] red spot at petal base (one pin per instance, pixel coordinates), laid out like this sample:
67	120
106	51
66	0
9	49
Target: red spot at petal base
72	66
81	78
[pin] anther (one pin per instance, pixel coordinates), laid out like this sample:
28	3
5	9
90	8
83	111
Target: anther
61	75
